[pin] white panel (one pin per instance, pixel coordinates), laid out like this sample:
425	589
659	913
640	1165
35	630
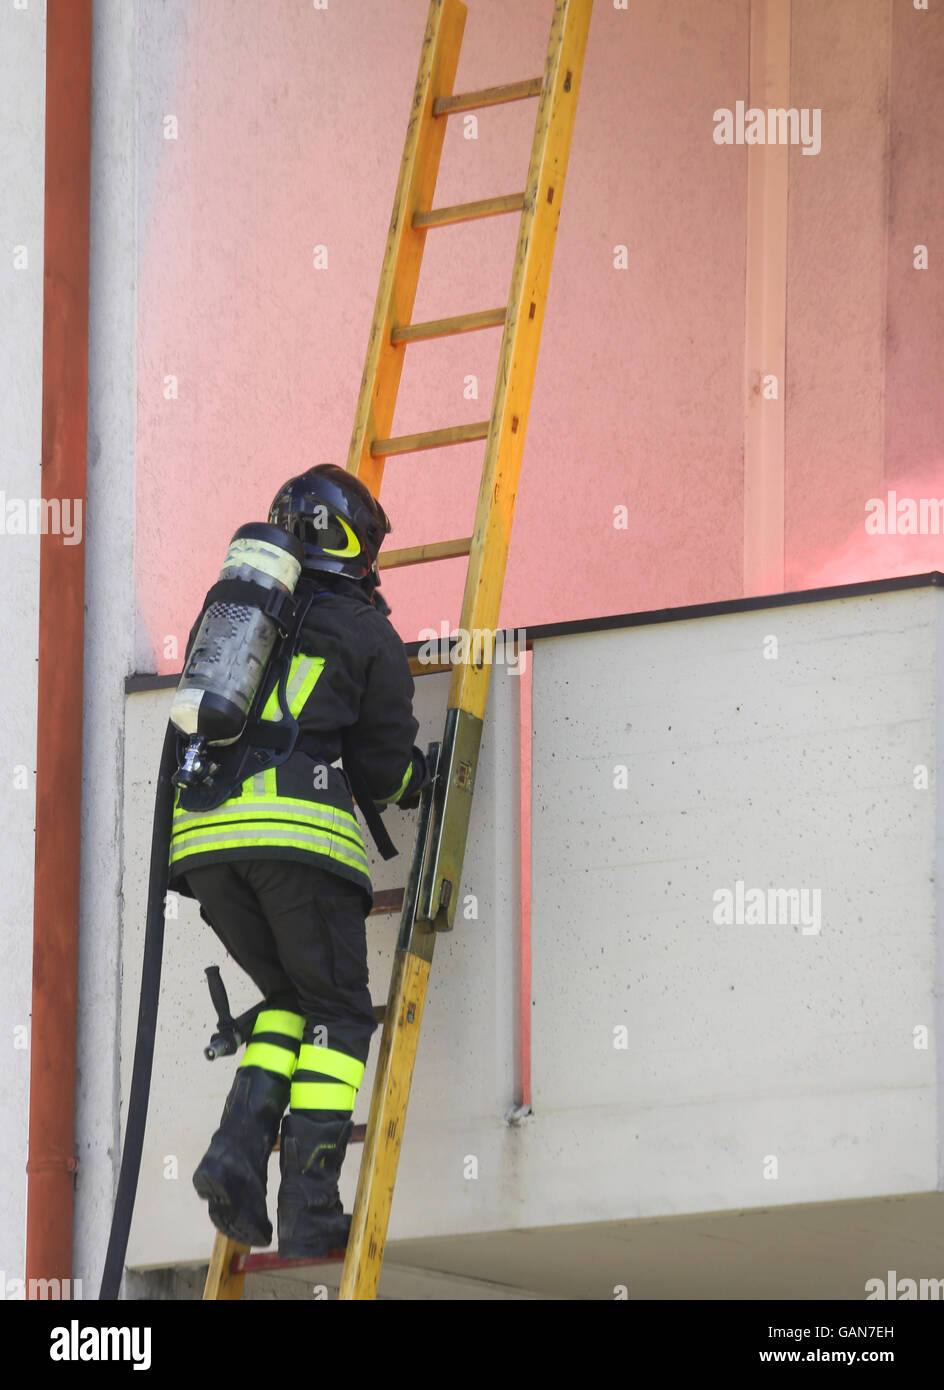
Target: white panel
744	1041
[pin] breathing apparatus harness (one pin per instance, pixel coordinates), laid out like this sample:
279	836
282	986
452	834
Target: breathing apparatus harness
249	626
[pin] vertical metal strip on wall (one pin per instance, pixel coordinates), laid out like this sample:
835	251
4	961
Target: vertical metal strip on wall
51	1165
766	306
524	850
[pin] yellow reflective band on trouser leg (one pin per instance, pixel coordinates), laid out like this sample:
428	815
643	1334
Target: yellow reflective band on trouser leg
321	1095
325	1095
327	1062
275	1040
270	1058
280	1021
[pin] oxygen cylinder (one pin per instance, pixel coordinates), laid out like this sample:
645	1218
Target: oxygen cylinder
235	640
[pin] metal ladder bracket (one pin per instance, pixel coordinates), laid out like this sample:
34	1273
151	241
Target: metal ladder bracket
451	811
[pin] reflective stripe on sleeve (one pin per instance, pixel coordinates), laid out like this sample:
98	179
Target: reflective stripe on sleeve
395	796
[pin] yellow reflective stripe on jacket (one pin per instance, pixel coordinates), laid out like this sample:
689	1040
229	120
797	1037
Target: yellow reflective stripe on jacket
291	808
272	710
331	1063
302	678
283	807
287	835
270	1058
257	817
321	1095
259	787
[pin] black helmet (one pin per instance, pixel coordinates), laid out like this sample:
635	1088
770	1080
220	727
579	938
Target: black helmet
326	509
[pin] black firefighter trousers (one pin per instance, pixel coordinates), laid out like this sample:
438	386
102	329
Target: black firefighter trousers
299	932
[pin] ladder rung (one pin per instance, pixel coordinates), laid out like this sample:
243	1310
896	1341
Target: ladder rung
468	212
428	668
257	1264
359	1132
488	96
387	900
444	328
421	554
431	439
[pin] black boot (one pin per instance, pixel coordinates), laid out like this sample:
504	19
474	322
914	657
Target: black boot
232	1174
311	1219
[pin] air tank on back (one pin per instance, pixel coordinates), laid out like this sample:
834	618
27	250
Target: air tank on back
233	644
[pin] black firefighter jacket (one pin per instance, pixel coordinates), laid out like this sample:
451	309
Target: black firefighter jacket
350	688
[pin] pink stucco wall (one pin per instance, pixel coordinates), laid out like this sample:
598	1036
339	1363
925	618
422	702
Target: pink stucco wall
290	128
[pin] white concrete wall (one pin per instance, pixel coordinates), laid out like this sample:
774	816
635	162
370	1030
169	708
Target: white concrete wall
22	162
744	1043
109	634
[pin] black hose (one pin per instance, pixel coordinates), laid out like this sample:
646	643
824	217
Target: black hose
147	1021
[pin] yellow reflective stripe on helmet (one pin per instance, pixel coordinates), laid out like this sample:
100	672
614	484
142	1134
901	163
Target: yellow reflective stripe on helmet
302	679
331	1063
321	1095
289	838
353	544
270	1057
280	1021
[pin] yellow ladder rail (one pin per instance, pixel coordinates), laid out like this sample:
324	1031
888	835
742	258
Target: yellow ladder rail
431	898
403	255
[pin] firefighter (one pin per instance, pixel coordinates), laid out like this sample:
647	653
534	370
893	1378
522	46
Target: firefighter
281	874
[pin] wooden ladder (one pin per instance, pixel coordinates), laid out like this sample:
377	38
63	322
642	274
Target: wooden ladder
428	902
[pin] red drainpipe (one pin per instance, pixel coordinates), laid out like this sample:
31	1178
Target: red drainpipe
52	1164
